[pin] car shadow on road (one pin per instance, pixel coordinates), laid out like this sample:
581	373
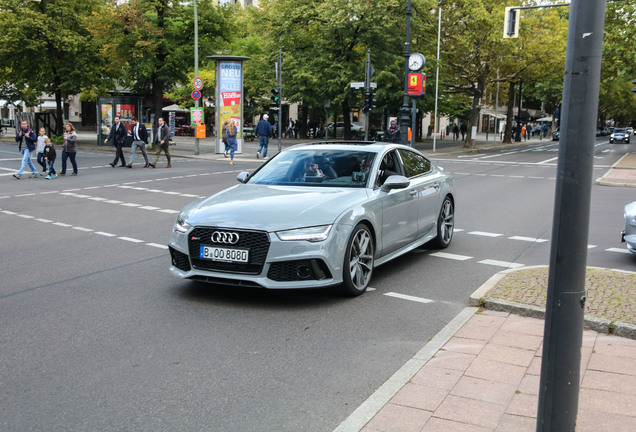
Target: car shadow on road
258	298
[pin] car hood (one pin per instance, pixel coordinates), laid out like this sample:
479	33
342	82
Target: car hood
273	208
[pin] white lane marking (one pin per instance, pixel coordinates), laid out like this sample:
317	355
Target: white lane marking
547	161
149	208
25	216
451	256
408	297
169	211
157	245
625	251
498	263
528	239
131	205
83	229
130	239
65	225
589	246
536	178
43	220
105	234
485	234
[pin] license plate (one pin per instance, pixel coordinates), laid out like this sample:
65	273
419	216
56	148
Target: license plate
224	254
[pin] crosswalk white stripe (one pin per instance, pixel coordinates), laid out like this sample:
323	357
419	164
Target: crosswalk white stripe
408	297
485	234
498	263
619	250
451	256
528	239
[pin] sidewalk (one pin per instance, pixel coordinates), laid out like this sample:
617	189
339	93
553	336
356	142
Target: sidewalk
482	371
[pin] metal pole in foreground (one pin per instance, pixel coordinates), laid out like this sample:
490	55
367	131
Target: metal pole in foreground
280	97
563	334
439	32
405	110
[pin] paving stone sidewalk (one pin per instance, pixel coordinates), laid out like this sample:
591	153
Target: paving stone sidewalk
481	373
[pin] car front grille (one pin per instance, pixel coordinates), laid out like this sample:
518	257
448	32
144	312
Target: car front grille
179	260
299	270
257	242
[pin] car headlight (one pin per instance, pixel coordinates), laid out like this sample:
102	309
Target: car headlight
612	135
181	225
311	234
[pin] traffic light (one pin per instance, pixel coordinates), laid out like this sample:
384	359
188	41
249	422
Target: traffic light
369	103
511	23
276	96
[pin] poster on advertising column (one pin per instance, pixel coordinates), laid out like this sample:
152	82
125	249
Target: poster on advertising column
230	81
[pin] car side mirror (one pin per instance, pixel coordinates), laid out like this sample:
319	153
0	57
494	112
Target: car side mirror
395	182
243	176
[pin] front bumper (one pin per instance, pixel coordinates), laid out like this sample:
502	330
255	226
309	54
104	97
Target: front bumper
630	240
276	264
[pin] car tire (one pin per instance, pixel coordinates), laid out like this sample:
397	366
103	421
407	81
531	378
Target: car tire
445	224
357	268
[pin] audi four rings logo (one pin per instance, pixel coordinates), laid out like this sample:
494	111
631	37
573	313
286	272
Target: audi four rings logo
225	237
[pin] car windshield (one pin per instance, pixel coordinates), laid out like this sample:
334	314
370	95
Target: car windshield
619	131
330	168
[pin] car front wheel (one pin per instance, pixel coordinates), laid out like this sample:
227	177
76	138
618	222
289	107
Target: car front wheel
358	262
445	224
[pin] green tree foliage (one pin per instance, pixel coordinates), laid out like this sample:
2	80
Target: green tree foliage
149	44
46	47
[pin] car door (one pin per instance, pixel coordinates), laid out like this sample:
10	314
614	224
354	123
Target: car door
425	185
399	207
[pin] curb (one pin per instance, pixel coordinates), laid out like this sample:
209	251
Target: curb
600	325
369	408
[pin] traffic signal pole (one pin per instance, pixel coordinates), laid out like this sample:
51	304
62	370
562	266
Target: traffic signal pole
563	334
405	110
367	89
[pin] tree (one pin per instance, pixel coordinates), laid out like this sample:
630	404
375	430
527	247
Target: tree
150	43
46	48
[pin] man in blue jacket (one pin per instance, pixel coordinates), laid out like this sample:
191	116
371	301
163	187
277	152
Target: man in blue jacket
26	145
263	132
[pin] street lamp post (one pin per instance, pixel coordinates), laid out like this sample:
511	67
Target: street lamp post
196	68
405	110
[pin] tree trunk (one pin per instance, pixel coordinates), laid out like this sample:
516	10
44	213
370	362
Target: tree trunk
346	118
474	120
511	101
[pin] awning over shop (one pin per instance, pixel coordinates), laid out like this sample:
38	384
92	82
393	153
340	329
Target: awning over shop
545	119
175	108
491	113
48	105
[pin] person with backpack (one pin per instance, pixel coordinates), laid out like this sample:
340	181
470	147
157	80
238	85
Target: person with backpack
26	145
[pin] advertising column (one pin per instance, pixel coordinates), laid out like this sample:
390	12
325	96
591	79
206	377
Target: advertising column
229	97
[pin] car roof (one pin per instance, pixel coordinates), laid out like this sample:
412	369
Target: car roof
372	146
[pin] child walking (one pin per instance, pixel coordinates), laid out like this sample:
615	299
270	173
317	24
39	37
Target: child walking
40	149
49	157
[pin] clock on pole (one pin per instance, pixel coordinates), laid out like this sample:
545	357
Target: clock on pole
416	61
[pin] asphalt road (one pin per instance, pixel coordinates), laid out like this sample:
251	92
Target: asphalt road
97	334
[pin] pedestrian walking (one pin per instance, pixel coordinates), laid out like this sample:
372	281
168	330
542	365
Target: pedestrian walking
393	132
463	129
264	133
455	132
140	139
26	145
40	149
49	157
226	124
69	148
232	143
161	141
118	134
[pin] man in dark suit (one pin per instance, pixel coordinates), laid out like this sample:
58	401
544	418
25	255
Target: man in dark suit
140	139
118	134
161	140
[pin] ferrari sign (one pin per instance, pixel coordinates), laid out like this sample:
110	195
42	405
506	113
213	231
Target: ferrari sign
417	84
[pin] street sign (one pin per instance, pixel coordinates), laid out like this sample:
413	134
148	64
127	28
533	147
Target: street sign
196	94
198	84
358	85
417	84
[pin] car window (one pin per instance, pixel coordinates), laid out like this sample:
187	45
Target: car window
414	164
331	168
390	165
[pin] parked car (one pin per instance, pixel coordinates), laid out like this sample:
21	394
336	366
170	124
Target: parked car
630	130
618	135
556	134
316	216
629	234
357	130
